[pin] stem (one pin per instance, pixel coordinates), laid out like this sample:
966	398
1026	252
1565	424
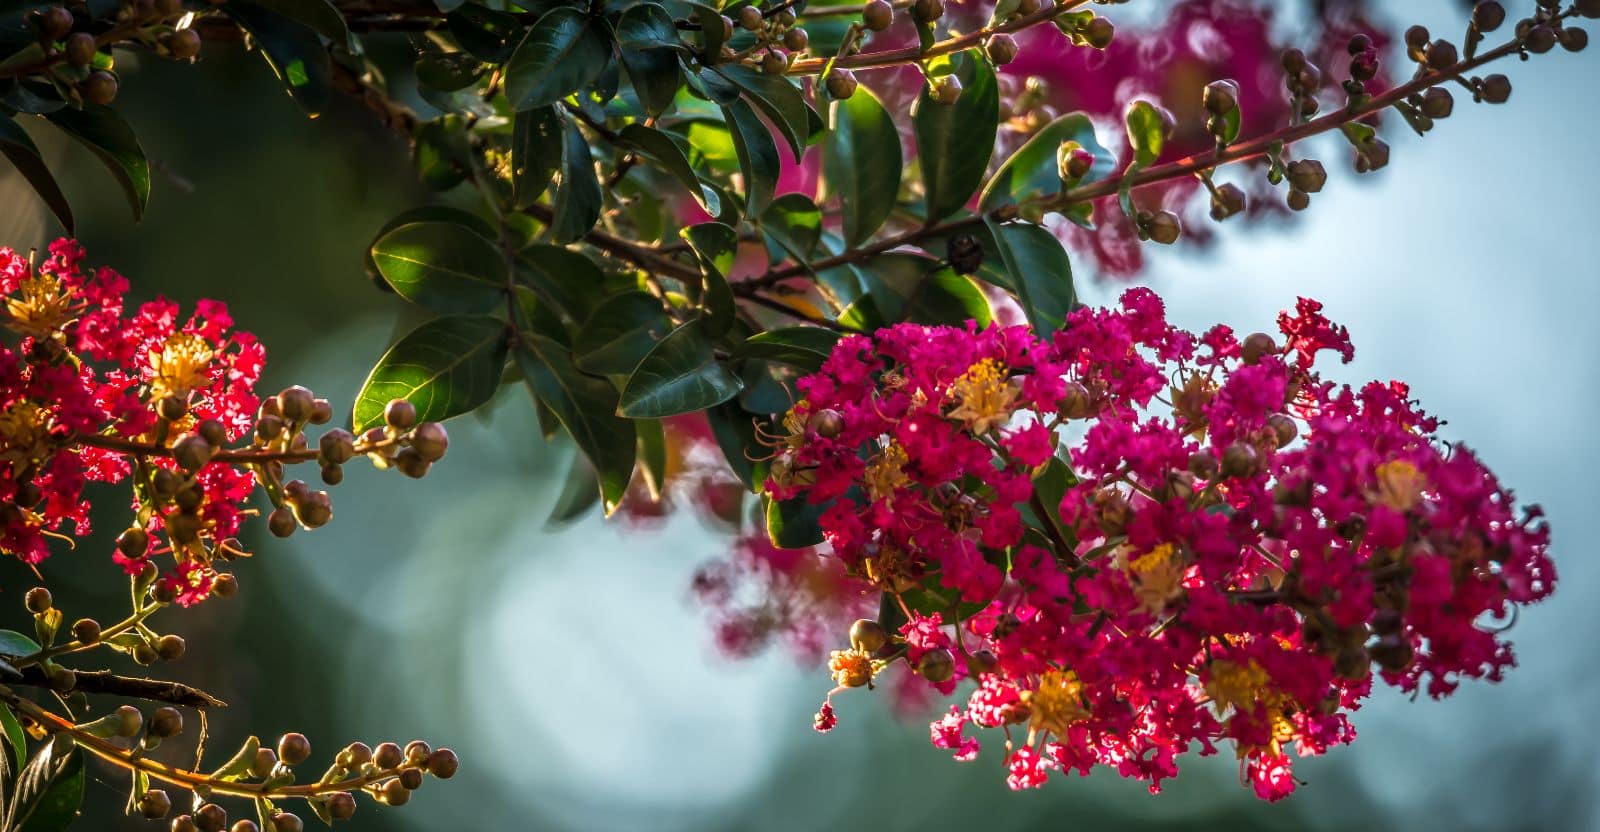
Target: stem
913	54
128	446
75	646
132	687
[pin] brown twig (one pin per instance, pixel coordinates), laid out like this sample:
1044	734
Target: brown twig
132	687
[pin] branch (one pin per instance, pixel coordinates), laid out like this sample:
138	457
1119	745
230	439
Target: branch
914	54
104	681
248	456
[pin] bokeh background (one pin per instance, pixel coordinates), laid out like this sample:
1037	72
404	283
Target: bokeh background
570	667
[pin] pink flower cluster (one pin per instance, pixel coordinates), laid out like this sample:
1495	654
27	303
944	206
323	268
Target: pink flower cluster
87	373
1134	541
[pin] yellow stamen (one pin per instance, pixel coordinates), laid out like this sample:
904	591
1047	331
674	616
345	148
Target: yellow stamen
985	398
1400	484
851	668
886	472
180	366
1234	685
1057	703
24	432
40	306
1157	577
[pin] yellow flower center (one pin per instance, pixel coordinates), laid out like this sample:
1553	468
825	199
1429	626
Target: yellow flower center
1400	484
1157	577
886	472
851	668
23	431
40	306
1234	685
180	366
985	398
1057	702
890	570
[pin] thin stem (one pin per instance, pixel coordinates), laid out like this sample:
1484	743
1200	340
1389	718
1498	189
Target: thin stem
131	687
75	646
250	456
913	54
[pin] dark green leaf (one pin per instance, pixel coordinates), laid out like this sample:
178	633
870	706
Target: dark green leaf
955	141
442	266
758	155
446	367
712	32
578	195
681	375
427	213
794	523
715	245
911	287
489	34
1051	486
449	71
735	431
1039	270
442	153
536	145
649	44
562	53
48	790
620	333
792	226
15	644
805	347
16	740
580	491
778	99
293	50
652	455
19	149
1033	171
320	15
670	156
111	140
862	161
563	277
586	406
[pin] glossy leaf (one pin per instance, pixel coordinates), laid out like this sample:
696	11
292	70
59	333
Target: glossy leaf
955	141
681	375
292	49
489	34
13	643
1146	133
112	141
320	15
48	790
715	245
794	523
758	155
805	347
537	139
652	455
619	334
665	151
426	213
449	71
734	429
1033	171
20	151
861	159
580	491
442	266
1040	272
586	406
561	54
16	740
792	226
910	287
650	48
778	99
578	196
564	277
446	367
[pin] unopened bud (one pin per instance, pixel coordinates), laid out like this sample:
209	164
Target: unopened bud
868	635
1220	97
841	84
937	665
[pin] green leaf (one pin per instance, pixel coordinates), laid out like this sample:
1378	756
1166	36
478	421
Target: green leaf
238	766
861	159
15	644
425	213
446	367
735	431
449	71
443	267
794	523
955	141
913	287
536	146
681	375
1359	135
48	790
650	47
441	151
19	149
586	406
805	347
1051	485
1146	133
578	195
1033	171
580	491
712	33
758	155
777	98
292	49
715	245
792	226
652	455
16	740
619	334
489	34
562	53
111	140
665	151
1039	270
564	277
320	15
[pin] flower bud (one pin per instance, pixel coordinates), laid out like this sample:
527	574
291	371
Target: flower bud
321	412
411	463
1293	60
388	755
131	721
1239	460
38	600
411	779
1441	54
1351	662
293	748
166	593
877	15
244	825
1111	512
868	635
1488	15
170	647
166	722
1417	37
86	630
336	447
287	821
1099	32
315	510
332	474
1540	39
1164	228
154	804
1203	465
927	11
1220	97
1073	161
184	823
775	62
264	764
224	585
1298	200
964	253
430	440
394	793
99	88
1307	174
1587	8
945	89
981	661
841	84
1574	39
341	806
750	19
1002	49
442	763
1076	403
210	818
281	522
1374	157
55	22
796	40
80	52
417	752
1496	89
192	452
1283	427
355	755
1228	200
400	414
937	665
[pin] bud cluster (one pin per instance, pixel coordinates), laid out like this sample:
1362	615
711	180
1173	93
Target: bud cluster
1233	550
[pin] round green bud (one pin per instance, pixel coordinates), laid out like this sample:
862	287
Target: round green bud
293	748
868	635
99	88
154	804
1257	345
937	665
1220	97
38	600
166	722
877	15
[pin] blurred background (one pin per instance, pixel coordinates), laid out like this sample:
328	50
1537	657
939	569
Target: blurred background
570	667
